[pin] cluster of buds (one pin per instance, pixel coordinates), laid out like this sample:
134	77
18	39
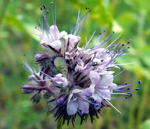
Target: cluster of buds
85	85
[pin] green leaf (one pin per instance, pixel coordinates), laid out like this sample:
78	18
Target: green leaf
145	125
19	24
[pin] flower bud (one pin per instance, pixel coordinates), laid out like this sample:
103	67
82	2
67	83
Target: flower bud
61	81
61	100
40	57
27	89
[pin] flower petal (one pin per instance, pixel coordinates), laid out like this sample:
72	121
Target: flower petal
73	40
94	77
54	32
45	38
106	80
56	44
97	98
88	91
63	34
105	94
72	107
83	106
59	80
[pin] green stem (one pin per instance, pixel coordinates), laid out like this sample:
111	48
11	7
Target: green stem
3	9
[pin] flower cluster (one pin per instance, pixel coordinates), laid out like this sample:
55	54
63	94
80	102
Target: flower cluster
85	84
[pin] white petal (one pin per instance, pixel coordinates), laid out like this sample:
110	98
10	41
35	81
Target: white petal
56	44
72	107
79	66
83	106
60	80
63	34
106	59
103	72
65	82
94	77
105	94
106	79
88	91
54	32
96	60
97	98
59	75
45	38
73	40
75	91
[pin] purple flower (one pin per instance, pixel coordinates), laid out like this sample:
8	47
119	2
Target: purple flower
60	81
87	85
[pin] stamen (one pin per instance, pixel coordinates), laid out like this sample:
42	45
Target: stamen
126	94
127	85
27	66
53	10
113	106
44	25
84	20
98	38
127	89
79	26
124	64
112	43
77	23
107	39
126	97
119	73
87	43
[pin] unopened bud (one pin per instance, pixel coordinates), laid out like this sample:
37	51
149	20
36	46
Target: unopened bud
27	89
40	57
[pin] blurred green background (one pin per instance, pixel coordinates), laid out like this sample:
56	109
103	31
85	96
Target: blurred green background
18	42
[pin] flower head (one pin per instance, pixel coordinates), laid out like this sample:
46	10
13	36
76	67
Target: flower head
87	85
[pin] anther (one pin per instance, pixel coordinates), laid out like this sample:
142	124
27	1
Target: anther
137	89
46	12
88	9
139	82
44	7
129	94
128	42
